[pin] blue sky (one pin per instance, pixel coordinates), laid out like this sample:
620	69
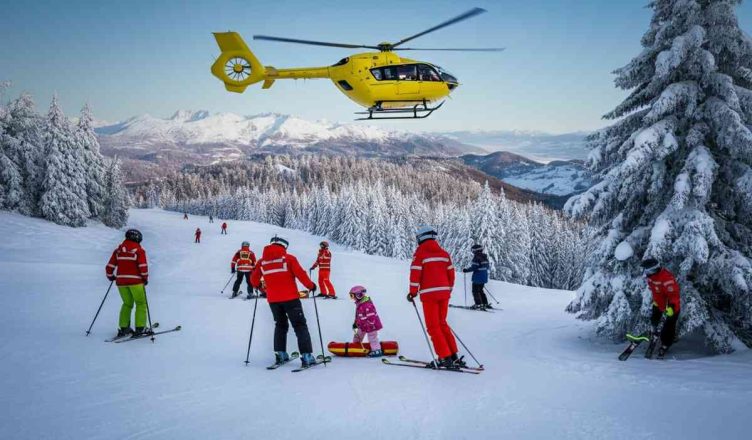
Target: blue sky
132	57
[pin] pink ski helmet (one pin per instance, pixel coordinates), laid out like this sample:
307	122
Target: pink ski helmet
357	292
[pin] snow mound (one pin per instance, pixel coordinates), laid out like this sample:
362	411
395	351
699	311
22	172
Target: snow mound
623	251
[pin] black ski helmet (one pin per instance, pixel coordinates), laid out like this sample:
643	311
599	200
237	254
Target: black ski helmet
324	244
476	248
244	244
425	233
280	241
650	266
134	235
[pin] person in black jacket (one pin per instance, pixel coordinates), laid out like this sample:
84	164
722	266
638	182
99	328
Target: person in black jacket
479	268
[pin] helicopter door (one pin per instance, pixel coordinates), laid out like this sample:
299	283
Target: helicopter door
407	80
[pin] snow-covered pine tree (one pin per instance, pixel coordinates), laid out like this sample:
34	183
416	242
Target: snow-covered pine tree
64	199
676	173
24	147
115	198
11	181
93	162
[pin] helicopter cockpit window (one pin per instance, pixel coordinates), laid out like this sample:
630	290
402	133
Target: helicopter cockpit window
407	72
342	62
446	76
427	73
376	74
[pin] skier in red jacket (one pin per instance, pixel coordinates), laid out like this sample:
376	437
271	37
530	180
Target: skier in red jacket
324	263
666	301
224	228
280	271
132	275
198	235
432	277
243	262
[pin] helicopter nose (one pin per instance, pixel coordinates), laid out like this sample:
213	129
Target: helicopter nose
452	85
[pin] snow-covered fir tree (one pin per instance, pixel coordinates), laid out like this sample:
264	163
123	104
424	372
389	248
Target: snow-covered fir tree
64	198
115	198
23	147
93	162
676	173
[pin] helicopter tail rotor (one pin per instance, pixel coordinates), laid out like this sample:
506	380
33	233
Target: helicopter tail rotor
237	67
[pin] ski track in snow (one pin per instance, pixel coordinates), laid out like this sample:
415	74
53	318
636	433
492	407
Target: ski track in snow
546	375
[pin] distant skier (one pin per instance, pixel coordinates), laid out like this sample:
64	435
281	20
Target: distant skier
211	219
185	216
224	228
367	321
243	262
198	235
324	263
479	268
666	301
432	277
280	271
132	275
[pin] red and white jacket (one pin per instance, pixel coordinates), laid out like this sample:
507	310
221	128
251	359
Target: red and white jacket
244	259
665	290
130	260
431	272
323	260
279	271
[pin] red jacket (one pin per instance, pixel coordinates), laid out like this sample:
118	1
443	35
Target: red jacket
198	232
431	271
224	225
245	260
279	270
130	260
665	290
323	260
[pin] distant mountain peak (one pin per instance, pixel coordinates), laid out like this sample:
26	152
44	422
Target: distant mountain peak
189	115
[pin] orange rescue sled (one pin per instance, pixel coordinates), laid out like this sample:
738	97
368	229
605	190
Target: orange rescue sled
355	349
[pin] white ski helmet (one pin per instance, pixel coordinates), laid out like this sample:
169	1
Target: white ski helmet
425	233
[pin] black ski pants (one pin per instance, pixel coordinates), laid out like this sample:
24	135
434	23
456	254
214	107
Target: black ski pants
239	280
479	296
290	312
668	333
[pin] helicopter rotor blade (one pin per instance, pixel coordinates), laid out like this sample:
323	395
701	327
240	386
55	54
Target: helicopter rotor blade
313	43
471	13
486	49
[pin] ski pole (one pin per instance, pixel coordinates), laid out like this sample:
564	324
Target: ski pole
148	314
221	292
100	308
466	349
464	285
318	324
491	295
430	348
250	338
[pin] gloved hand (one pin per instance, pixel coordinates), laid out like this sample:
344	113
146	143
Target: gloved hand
410	297
146	282
311	268
112	278
466	270
232	270
669	311
313	289
355	326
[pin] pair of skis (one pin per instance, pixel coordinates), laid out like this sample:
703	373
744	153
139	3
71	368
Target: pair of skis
295	355
635	341
146	334
477	309
405	362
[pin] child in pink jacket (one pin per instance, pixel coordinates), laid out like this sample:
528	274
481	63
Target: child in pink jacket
367	321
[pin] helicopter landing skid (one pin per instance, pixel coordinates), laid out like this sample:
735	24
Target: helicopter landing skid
418	111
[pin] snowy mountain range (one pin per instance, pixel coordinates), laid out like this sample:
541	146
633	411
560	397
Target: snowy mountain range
559	178
203	137
540	146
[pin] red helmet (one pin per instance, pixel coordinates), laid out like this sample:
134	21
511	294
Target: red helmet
357	292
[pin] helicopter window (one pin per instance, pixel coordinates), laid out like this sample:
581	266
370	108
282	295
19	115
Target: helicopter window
427	73
390	73
342	62
407	72
376	74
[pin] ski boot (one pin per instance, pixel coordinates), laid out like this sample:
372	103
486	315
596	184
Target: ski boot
662	352
458	361
234	294
249	296
488	306
141	331
477	307
447	363
321	295
281	357
307	359
123	332
262	295
375	354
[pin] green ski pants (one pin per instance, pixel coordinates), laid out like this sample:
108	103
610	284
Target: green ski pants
133	294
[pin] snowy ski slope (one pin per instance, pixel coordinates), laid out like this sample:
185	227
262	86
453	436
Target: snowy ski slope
546	377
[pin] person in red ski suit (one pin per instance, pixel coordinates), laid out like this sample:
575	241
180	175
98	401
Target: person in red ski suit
224	228
666	301
432	277
129	269
198	235
243	262
280	272
324	263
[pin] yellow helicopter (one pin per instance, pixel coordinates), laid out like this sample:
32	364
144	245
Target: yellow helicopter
389	86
